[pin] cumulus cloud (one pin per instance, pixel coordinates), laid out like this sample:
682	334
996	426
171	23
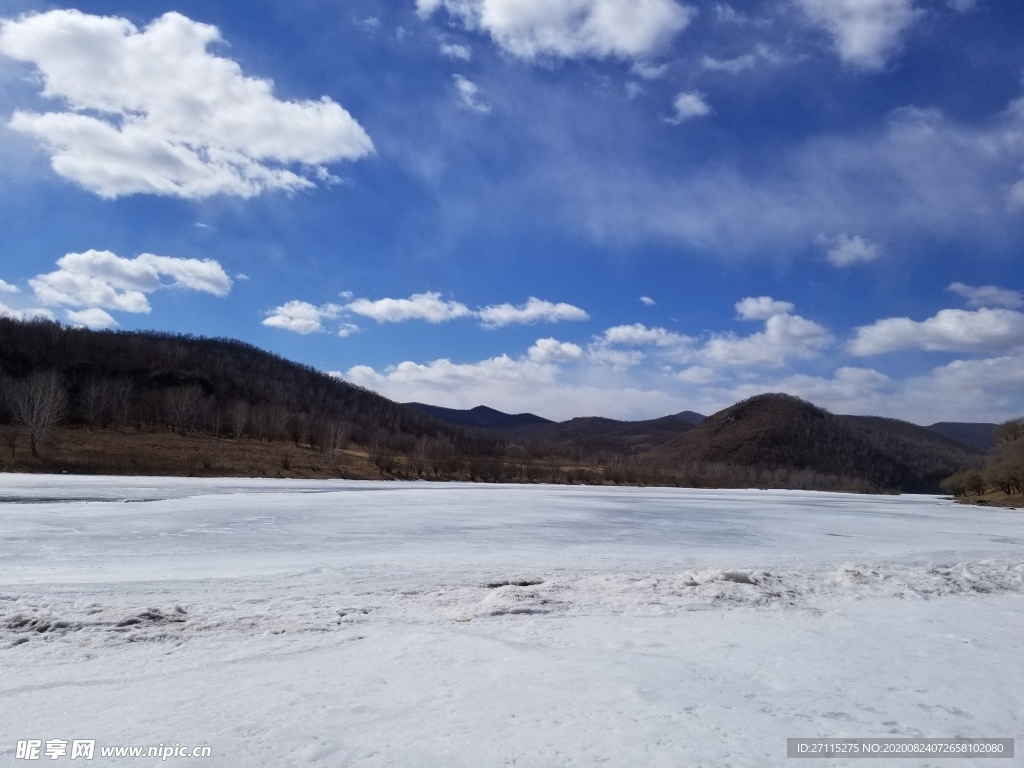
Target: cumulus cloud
553	351
456	51
570	29
988	296
784	338
469	95
731	66
6	287
688	106
153	111
950	330
865	33
639	335
103	280
427	306
302	317
647	301
25	314
533	311
649	70
94	317
515	385
845	250
761	308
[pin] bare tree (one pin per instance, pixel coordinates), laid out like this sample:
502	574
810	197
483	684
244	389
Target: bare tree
38	403
123	401
9	434
517	458
184	404
95	401
238	418
335	438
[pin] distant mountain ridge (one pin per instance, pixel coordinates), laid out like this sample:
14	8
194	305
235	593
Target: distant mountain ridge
481	416
780	432
979	436
587	433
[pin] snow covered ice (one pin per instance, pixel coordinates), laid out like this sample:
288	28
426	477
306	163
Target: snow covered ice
412	624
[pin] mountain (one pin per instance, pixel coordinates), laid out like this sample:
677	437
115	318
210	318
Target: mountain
594	434
981	437
797	443
156	403
481	416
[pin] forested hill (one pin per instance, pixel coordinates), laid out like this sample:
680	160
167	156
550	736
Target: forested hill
777	433
118	402
213	386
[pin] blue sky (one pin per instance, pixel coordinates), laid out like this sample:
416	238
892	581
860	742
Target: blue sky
573	207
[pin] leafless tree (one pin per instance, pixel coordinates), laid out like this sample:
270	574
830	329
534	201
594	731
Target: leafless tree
238	418
9	434
122	401
95	401
183	405
38	403
517	459
334	439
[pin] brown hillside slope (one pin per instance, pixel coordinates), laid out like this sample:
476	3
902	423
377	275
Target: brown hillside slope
595	434
781	432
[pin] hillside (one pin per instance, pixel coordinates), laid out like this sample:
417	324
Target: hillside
594	434
784	437
152	383
481	416
76	400
980	436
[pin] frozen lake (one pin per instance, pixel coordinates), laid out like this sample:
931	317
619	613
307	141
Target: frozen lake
414	624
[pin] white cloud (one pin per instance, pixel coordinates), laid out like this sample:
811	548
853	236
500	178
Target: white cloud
731	66
153	111
639	335
761	308
866	33
515	385
849	390
553	351
347	329
533	311
302	317
647	301
784	338
845	250
918	172
688	106
469	95
25	314
950	330
648	70
101	279
963	6
1016	196
988	296
427	306
697	374
531	29
456	51
93	317
6	287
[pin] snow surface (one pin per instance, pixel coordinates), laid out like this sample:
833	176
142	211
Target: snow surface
413	624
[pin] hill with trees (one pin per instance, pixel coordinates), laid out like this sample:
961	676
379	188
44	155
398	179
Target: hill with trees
780	440
1001	479
115	402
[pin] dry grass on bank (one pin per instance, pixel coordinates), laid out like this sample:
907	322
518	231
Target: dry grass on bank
162	452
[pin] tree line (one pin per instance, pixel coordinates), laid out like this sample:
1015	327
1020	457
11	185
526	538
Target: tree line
1004	471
